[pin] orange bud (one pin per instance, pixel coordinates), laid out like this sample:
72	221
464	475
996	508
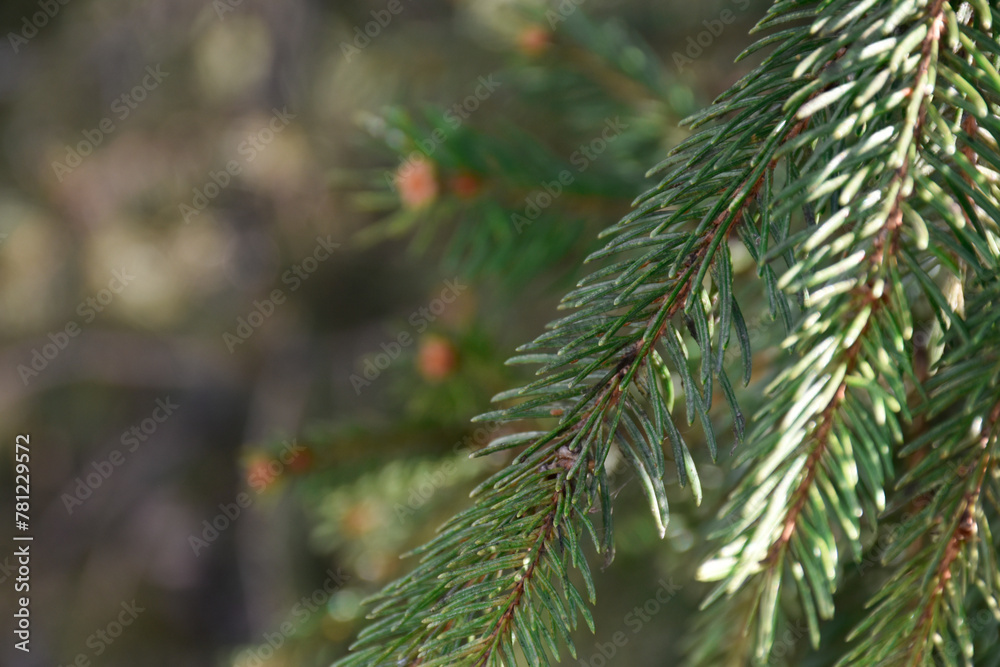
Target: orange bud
259	471
534	40
416	181
465	185
437	358
302	461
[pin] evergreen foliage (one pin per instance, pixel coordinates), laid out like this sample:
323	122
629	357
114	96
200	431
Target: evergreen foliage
858	166
522	185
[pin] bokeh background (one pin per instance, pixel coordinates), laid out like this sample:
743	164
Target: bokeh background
246	326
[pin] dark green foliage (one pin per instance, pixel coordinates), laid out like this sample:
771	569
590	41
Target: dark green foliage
517	199
857	165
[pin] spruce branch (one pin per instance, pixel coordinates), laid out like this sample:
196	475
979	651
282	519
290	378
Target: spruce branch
502	561
920	613
861	153
607	374
867	168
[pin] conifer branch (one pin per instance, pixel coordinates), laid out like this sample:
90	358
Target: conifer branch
864	293
921	610
861	155
607	376
818	436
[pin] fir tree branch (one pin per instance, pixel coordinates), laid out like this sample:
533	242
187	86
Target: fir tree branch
964	528
607	375
846	153
569	452
921	610
819	434
864	294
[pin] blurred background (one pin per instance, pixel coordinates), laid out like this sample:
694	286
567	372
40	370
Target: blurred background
262	261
